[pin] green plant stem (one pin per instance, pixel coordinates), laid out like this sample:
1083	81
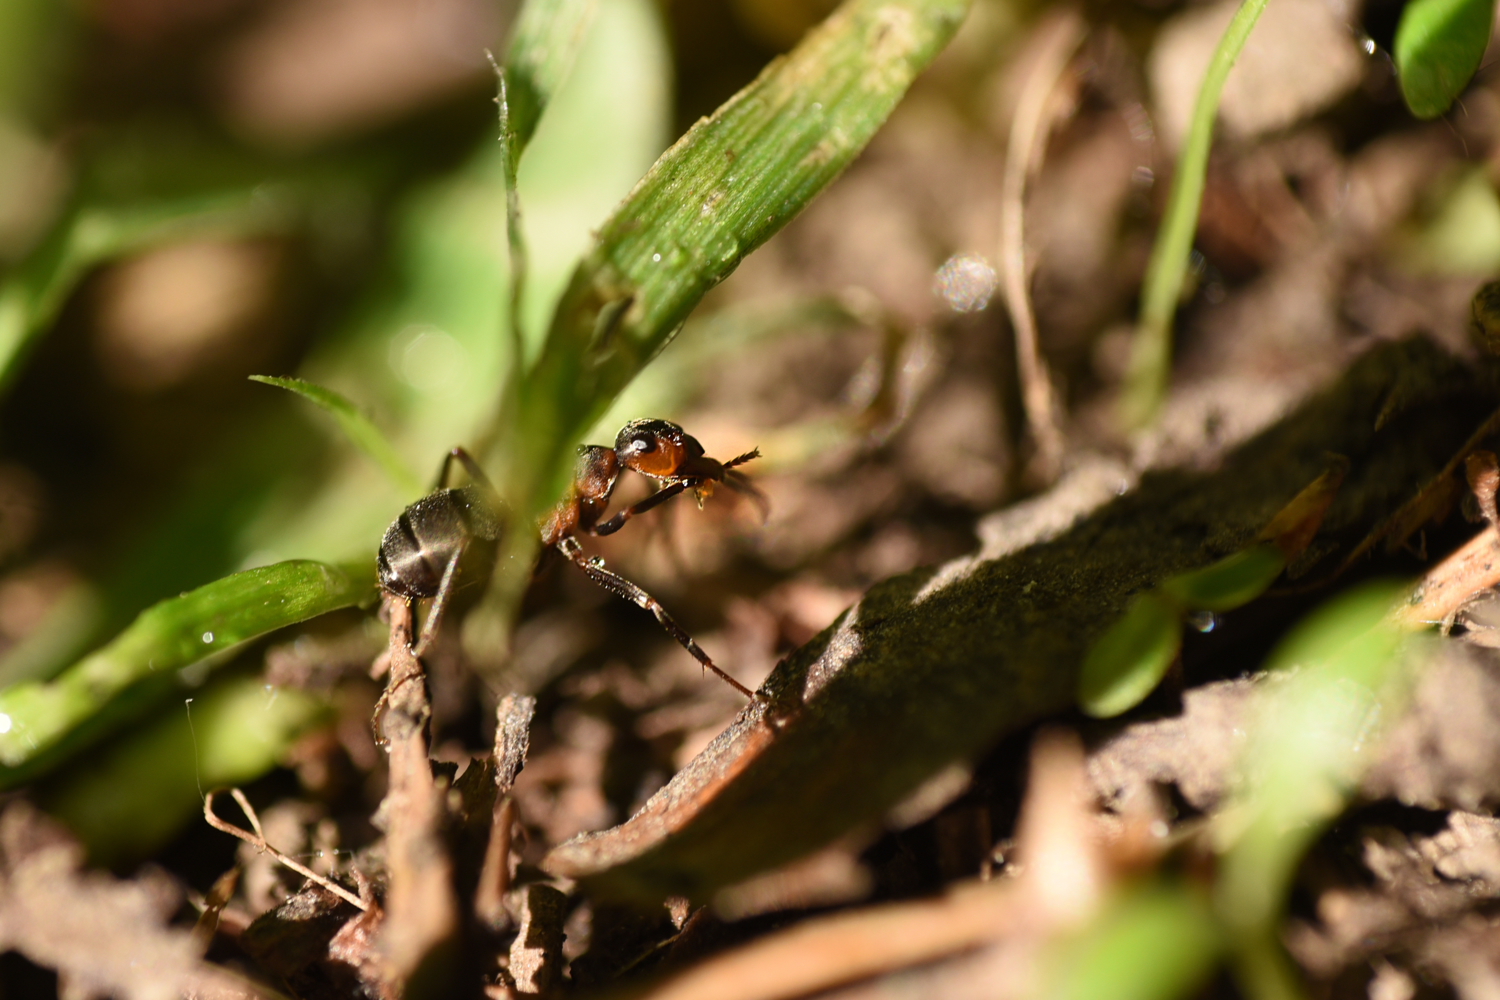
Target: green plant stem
1151	353
544	42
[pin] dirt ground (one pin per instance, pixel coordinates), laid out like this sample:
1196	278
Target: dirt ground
913	806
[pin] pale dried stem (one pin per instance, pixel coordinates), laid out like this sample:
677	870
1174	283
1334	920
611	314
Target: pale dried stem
258	841
421	909
1056	44
494	877
512	741
1442	593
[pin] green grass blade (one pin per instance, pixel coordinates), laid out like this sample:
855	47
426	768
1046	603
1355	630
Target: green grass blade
213	619
34	292
1438	47
1151	352
546	38
721	191
357	427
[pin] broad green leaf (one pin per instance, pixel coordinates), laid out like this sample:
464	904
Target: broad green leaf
1438	46
133	797
1132	656
1229	583
723	189
214	619
357	427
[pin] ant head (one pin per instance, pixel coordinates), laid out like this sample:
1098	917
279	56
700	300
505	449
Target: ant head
662	450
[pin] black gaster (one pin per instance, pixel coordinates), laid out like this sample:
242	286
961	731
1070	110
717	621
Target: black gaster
419	544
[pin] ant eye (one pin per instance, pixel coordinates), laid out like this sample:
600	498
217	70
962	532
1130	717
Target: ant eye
641	442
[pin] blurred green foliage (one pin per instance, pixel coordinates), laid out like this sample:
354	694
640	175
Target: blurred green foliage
1334	679
1161	291
426	350
1439	44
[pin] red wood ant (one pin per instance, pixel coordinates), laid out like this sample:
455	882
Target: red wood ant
421	552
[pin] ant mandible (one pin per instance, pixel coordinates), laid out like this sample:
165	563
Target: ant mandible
421	552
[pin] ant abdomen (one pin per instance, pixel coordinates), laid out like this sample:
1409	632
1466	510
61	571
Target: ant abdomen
420	544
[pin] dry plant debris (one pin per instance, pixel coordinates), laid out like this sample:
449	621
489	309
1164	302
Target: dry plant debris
900	815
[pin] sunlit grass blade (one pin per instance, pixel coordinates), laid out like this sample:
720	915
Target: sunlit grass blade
1438	47
731	182
357	427
544	41
213	619
31	297
1151	351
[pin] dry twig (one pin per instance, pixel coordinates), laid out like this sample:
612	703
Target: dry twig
1057	43
512	740
257	839
421	908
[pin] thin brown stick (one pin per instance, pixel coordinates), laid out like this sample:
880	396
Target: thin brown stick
1443	591
258	841
1056	45
420	905
821	954
494	876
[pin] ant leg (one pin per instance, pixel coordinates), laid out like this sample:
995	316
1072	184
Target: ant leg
470	466
439	603
662	495
617	584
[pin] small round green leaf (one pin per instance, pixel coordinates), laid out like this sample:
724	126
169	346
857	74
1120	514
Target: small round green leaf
1131	657
1438	47
1229	583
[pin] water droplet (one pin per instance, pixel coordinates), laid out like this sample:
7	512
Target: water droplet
208	637
4	723
428	359
597	561
656	257
1203	621
966	282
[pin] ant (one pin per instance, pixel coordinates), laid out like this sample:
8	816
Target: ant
422	549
